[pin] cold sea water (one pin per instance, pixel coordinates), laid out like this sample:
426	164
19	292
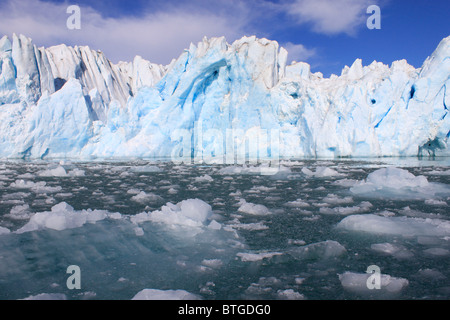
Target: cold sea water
301	229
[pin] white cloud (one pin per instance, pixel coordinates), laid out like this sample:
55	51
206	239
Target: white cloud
158	37
331	16
298	52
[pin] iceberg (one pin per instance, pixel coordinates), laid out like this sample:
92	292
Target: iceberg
217	103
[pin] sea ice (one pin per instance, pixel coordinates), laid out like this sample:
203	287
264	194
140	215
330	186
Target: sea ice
47	296
191	212
317	251
155	294
357	283
321	172
392	182
252	257
290	294
4	230
143	197
61	217
253	209
403	226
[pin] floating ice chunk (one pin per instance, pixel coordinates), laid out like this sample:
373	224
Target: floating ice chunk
439	172
61	217
25	176
212	263
204	178
404	226
431	274
37	187
172	191
394	182
253	226
252	257
254	209
264	169
434	202
138	231
143	197
297	204
76	173
56	172
334	199
321	172
346	183
214	225
396	251
357	283
320	250
441	252
289	294
265	283
145	169
363	207
20	212
191	212
47	296
4	230
155	294
258	189
61	172
134	191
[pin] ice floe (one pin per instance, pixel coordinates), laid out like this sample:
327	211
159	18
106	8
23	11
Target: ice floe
397	183
191	212
252	257
155	294
403	226
357	283
253	209
62	216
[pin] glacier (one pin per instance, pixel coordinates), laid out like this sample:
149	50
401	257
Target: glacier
217	102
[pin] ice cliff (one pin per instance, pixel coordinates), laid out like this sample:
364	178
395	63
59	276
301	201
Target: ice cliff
217	101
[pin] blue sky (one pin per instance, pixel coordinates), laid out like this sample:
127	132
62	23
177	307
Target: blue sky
328	34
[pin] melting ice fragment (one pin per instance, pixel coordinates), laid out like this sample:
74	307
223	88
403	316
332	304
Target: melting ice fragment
47	296
155	294
62	216
191	213
403	226
392	182
357	283
4	230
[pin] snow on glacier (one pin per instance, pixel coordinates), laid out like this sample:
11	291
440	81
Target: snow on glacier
217	101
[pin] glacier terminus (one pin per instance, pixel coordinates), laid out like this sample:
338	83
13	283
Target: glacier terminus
72	102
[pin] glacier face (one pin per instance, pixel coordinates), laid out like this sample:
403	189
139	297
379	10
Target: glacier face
217	102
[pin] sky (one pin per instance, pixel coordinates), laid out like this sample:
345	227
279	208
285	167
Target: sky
327	34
